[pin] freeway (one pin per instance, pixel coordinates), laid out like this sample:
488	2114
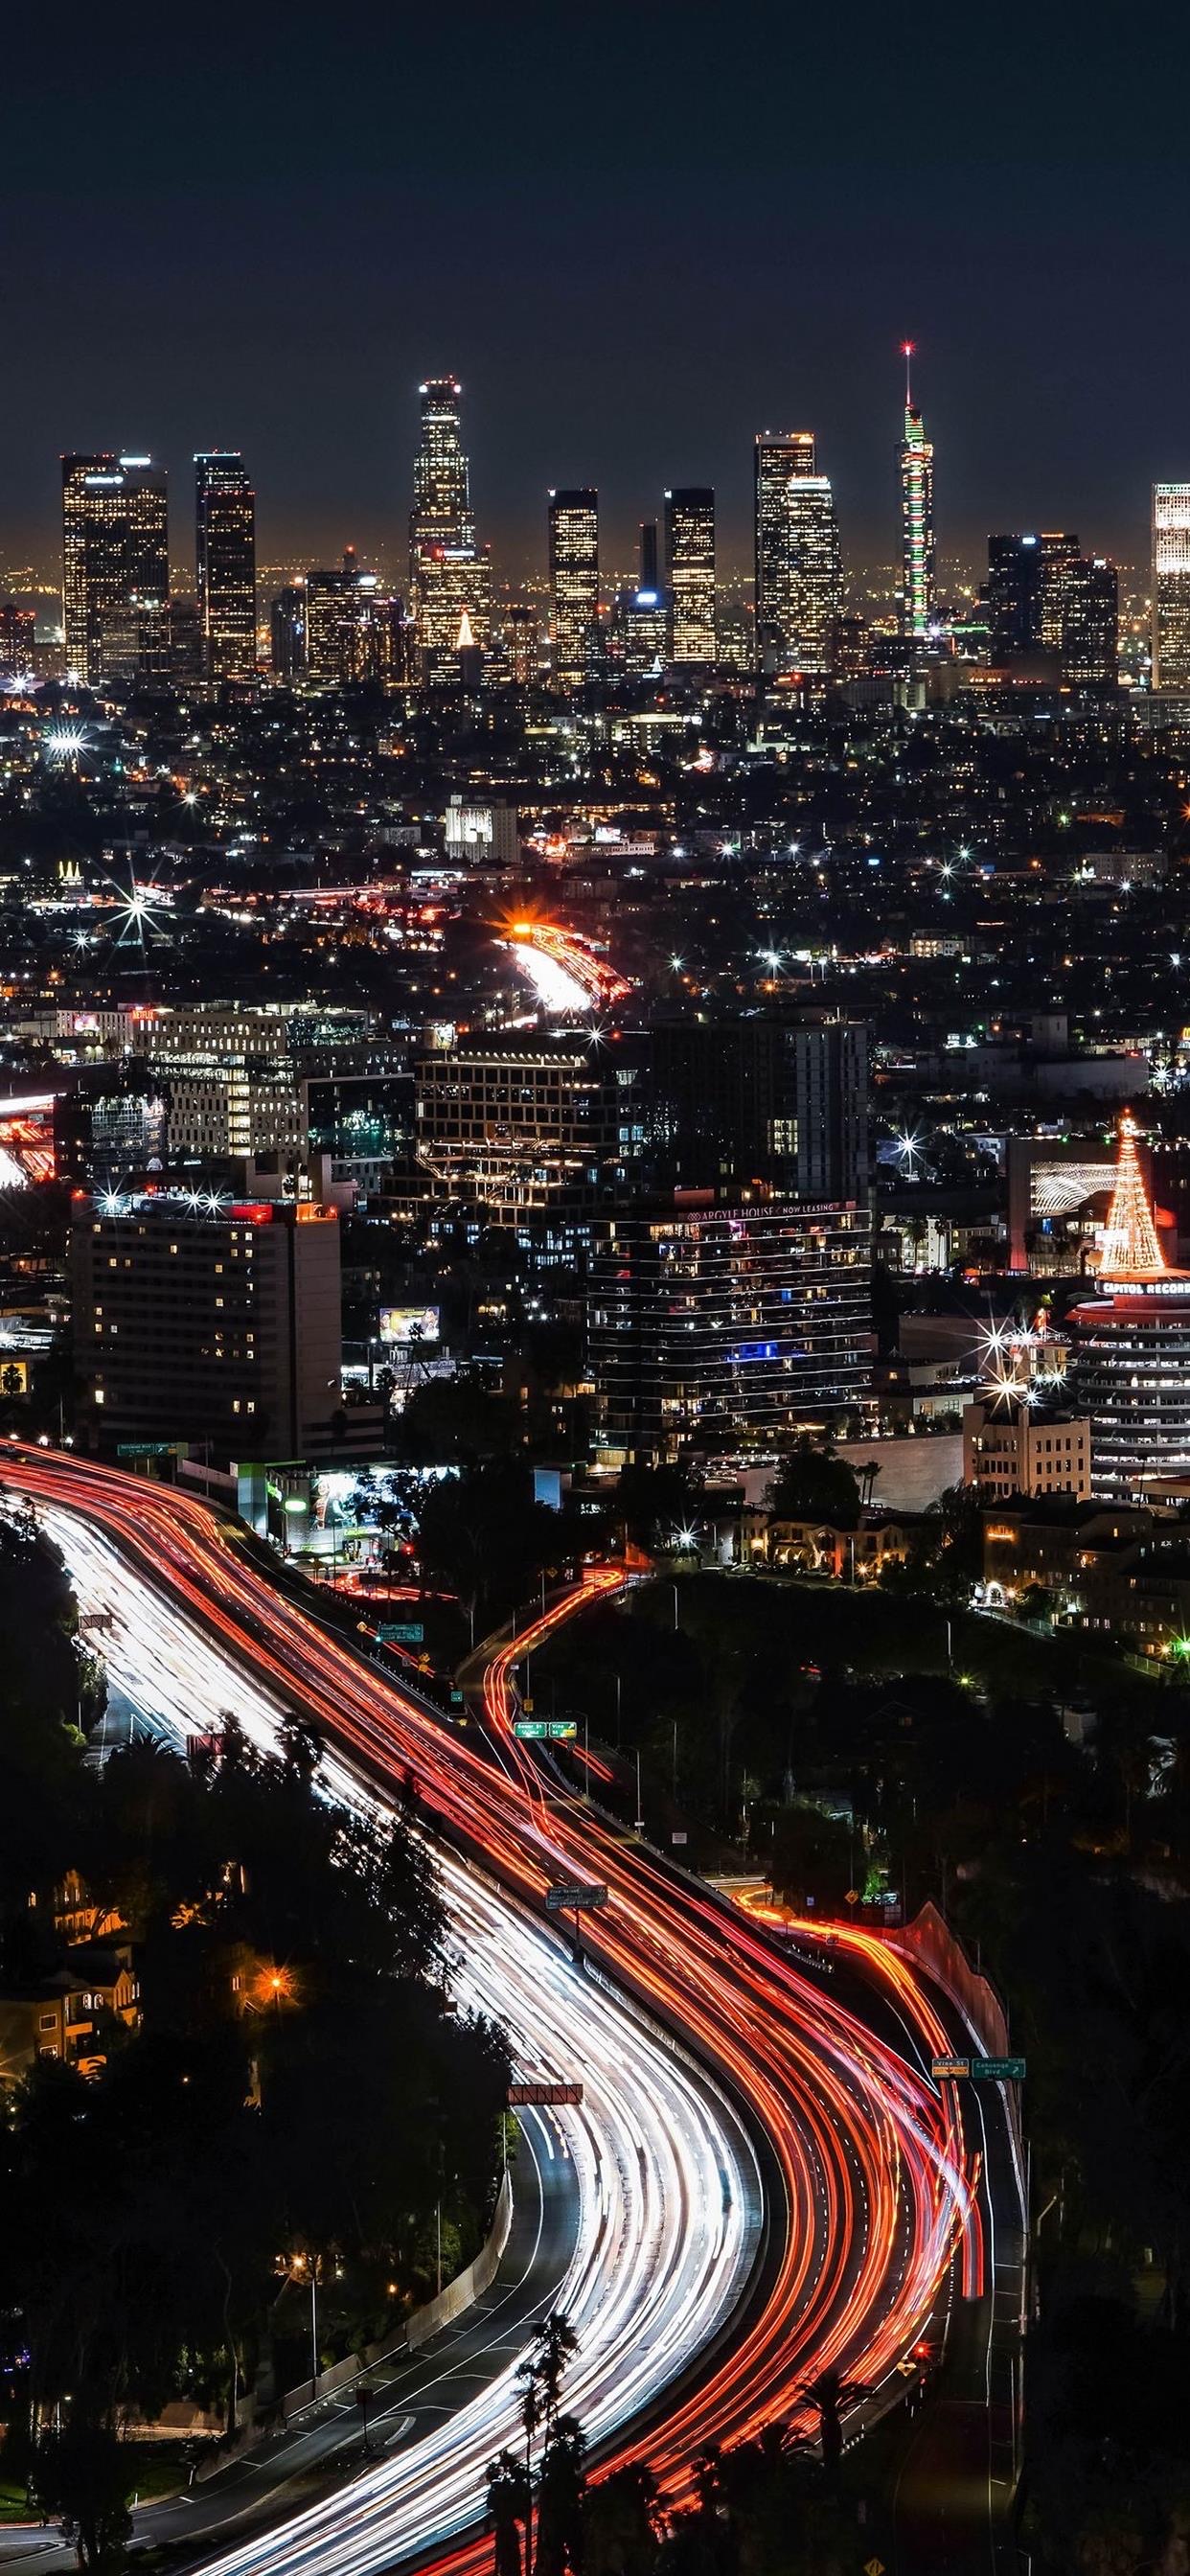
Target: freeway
876	2201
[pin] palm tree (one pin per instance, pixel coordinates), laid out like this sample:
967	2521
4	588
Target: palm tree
507	2505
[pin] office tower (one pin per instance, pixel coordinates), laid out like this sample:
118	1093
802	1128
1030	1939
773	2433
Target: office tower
690	574
225	547
220	1325
18	633
574	583
1091	623
1027	592
642	614
917	518
287	631
115	558
760	1100
449	574
778	462
728	1317
518	1128
649	575
1171	586
520	645
1130	1362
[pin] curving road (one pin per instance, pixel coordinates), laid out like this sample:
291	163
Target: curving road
875	2201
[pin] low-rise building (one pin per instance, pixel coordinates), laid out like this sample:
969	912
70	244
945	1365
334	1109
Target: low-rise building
1007	1450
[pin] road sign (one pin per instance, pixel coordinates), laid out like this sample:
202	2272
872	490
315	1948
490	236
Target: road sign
543	2093
408	1632
874	2567
852	1896
679	1838
526	1704
941	2067
456	1698
548	1730
569	1900
998	2070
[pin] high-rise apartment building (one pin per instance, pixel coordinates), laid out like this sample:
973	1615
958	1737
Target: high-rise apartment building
574	583
115	559
917	518
799	576
450	576
1171	586
690	574
225	553
518	1127
728	1316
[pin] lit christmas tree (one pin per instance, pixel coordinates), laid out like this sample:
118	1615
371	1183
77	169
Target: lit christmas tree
1130	1248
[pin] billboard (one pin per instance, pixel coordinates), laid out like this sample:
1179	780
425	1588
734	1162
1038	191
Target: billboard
402	1325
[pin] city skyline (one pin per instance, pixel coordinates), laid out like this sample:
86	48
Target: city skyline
748	252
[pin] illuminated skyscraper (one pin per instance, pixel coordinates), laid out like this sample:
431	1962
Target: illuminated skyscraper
574	583
779	463
1091	623
449	574
225	547
115	558
917	518
1171	586
690	574
1027	592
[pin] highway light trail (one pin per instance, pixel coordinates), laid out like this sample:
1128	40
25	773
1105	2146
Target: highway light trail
870	2189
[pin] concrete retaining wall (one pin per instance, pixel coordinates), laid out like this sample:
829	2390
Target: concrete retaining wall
452	2302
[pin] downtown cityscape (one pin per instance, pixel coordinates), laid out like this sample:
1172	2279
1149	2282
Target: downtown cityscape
594	1313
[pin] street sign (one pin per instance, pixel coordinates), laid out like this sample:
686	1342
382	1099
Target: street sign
407	1632
527	1704
679	1838
941	2067
456	1699
998	2070
547	1730
543	2093
874	2567
569	1899
852	1897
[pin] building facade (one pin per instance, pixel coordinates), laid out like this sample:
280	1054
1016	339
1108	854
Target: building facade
728	1322
1007	1451
517	1129
219	1326
225	557
799	574
773	1100
1170	586
115	560
450	575
690	574
573	529
916	459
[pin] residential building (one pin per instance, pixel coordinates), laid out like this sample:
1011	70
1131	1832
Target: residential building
1008	1450
727	1320
783	1101
217	1324
517	1128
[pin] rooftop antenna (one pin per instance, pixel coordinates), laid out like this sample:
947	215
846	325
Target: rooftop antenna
907	349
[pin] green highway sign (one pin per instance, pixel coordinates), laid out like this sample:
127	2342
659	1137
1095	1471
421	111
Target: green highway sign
409	1632
998	2070
571	1898
545	1730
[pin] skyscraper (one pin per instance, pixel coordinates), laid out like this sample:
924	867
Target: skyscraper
917	518
1091	623
814	578
690	573
1027	592
1171	586
115	558
778	463
225	549
449	574
574	582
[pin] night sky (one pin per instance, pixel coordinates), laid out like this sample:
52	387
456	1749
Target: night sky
638	234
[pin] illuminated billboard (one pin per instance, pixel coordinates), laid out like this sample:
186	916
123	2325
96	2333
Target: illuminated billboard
402	1325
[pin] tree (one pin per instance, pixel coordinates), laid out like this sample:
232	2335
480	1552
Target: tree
808	1858
654	1503
811	1485
85	2475
508	2505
